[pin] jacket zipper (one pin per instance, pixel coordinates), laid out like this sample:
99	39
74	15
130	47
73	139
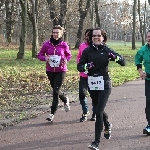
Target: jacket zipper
54	53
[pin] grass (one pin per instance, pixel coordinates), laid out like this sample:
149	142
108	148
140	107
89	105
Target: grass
24	85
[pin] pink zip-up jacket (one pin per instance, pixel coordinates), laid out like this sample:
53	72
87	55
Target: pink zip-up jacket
81	49
62	49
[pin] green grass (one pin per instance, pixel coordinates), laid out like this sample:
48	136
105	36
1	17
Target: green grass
24	82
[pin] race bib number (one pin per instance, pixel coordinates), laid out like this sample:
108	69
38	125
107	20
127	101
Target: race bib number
54	60
96	83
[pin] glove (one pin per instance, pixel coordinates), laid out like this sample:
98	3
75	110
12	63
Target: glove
89	66
121	61
111	56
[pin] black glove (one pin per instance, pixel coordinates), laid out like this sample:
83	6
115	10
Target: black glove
121	60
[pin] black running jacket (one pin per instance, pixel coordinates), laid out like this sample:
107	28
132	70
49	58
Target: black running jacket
99	56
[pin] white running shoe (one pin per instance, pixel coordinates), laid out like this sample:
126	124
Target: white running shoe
50	118
66	105
84	117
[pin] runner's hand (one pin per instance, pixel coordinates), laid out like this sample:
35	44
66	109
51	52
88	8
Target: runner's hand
63	62
142	75
47	58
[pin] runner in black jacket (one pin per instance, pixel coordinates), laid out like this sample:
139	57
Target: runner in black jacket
95	60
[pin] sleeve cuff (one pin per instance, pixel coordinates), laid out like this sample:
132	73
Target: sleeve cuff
139	66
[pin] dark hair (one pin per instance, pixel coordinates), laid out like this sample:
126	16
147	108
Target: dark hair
89	31
104	34
58	27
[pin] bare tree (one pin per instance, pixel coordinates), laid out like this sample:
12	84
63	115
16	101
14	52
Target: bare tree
33	16
2	3
10	8
116	18
124	20
97	13
144	26
83	9
142	29
58	18
1	19
134	24
53	13
23	36
63	11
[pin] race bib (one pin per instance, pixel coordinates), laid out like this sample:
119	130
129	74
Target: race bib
54	60
96	83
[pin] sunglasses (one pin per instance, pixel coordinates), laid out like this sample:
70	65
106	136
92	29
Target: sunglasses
96	35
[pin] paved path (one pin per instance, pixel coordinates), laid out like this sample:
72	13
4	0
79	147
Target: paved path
126	112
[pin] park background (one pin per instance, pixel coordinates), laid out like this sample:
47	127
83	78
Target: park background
26	24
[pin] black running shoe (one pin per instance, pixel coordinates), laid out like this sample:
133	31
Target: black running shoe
147	130
107	132
93	146
93	117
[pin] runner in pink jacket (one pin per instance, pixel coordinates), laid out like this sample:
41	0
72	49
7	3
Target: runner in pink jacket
62	50
81	49
56	53
83	84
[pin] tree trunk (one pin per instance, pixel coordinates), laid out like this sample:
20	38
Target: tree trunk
9	19
53	14
141	26
20	54
125	38
33	16
134	25
66	31
63	12
2	3
58	19
79	34
97	13
63	17
83	14
144	25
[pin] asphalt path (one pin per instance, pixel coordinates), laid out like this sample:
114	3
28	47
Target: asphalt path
126	110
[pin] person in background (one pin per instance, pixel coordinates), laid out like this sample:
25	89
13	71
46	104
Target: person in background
95	60
56	53
143	55
83	84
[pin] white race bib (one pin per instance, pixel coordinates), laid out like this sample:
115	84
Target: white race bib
96	83
54	60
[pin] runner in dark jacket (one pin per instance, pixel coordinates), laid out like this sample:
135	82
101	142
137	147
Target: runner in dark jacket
95	60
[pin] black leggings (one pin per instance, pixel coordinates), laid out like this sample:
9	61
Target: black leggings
56	79
147	94
99	100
